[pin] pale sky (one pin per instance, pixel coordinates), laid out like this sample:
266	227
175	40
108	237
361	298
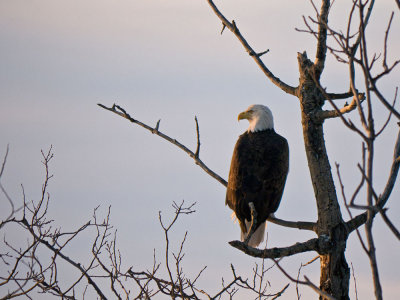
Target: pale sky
167	60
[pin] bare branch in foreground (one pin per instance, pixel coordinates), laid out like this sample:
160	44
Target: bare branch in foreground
347	205
41	236
306	282
383	198
23	272
178	285
13	211
298	274
317	290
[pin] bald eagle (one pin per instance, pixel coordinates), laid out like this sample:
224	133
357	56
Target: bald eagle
259	167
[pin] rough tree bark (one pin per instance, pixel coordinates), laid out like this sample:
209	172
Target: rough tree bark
335	273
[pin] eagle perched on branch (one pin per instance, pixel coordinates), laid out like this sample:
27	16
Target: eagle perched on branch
259	167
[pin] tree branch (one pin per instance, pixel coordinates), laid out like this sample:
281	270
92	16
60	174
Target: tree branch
328	114
390	224
337	96
122	113
4	161
197	153
383	198
66	258
306	282
346	122
321	245
3	166
299	225
322	34
256	56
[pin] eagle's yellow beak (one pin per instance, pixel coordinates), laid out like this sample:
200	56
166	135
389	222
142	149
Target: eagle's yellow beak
244	115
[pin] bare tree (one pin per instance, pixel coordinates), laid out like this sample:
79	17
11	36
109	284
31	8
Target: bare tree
348	46
37	262
35	265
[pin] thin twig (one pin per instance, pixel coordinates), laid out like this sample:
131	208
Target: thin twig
355	280
306	282
390	224
390	114
197	153
4	161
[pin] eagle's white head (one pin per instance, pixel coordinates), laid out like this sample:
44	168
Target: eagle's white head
259	116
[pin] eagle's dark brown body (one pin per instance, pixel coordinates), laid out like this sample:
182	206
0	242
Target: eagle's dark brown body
259	167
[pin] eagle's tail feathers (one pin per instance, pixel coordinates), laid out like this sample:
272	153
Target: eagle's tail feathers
258	235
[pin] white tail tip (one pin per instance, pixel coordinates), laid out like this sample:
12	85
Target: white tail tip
257	237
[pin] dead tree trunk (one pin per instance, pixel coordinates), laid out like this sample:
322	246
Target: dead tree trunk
335	273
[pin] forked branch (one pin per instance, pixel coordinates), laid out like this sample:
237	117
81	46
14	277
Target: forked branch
383	198
334	113
155	130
